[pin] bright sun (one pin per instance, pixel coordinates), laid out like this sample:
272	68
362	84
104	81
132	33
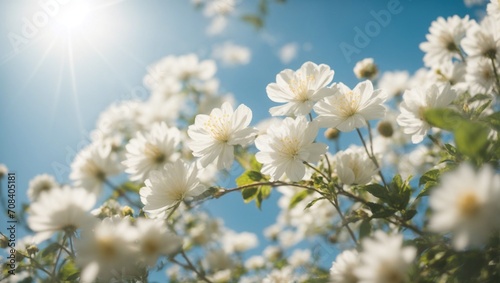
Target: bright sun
74	15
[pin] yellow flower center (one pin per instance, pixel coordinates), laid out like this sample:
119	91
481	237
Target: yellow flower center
300	87
290	146
218	127
92	169
348	104
468	204
107	249
150	247
154	153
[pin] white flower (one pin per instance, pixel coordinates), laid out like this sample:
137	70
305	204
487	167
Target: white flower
283	275
151	151
300	90
466	204
120	121
480	76
214	136
394	83
449	72
231	54
168	187
348	109
286	146
255	262
384	259
443	41
92	166
493	9
218	259
61	209
414	104
299	257
106	250
3	170
342	270
483	40
155	240
39	184
219	7
354	167
239	242
365	69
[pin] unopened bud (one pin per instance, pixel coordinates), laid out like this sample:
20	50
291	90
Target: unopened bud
32	249
366	69
4	242
332	134
385	129
127	211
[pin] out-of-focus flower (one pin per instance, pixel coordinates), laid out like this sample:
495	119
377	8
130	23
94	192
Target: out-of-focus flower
354	167
231	54
366	69
168	187
63	209
342	270
92	166
300	90
384	259
466	204
214	136
105	251
239	242
394	83
414	104
286	146
288	52
480	76
154	240
151	151
347	109
39	184
443	41
483	40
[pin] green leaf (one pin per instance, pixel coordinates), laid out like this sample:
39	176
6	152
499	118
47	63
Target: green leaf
378	191
443	118
249	194
263	7
254	20
409	214
471	138
380	211
249	177
52	248
429	180
365	229
311	203
265	191
298	197
68	271
493	120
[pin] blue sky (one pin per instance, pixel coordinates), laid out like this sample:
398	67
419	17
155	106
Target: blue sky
50	98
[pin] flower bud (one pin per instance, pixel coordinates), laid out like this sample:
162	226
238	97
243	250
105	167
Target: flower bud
332	133
32	249
127	211
366	69
385	129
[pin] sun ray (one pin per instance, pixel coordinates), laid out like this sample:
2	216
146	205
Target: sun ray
73	83
106	5
57	92
38	65
108	64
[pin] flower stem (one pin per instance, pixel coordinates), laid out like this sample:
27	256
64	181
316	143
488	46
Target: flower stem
370	155
495	72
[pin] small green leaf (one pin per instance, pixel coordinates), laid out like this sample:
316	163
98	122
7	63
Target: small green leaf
428	180
50	249
249	177
298	197
493	120
254	20
265	191
409	214
378	191
249	194
365	229
443	118
311	203
380	211
471	138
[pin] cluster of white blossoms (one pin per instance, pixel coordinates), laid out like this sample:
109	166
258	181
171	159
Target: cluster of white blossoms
415	199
